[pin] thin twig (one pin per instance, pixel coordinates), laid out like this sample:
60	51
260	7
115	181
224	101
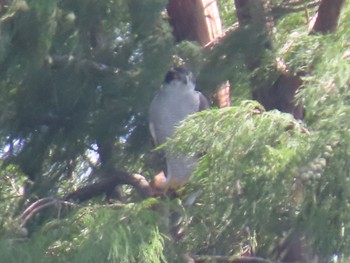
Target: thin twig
296	3
287	9
40	205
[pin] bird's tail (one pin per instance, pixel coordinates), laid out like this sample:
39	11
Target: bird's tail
179	171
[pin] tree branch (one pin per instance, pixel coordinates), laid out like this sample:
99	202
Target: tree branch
287	9
297	2
108	184
105	186
38	206
327	16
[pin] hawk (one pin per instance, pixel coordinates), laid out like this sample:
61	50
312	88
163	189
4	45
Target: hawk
176	99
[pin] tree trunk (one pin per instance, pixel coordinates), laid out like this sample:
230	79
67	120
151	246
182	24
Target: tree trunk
281	96
327	16
195	20
199	20
257	14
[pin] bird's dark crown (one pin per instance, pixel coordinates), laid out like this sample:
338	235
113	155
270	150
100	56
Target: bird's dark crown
180	74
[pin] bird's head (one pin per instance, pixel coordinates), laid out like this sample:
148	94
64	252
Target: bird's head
179	74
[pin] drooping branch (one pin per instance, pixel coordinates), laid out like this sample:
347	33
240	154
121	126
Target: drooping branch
293	7
39	206
108	184
105	186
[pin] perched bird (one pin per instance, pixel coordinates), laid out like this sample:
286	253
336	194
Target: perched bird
176	99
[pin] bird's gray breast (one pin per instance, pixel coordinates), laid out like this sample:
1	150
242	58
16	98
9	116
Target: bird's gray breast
169	108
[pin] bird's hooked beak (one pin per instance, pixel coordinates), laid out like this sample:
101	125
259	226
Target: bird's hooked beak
182	77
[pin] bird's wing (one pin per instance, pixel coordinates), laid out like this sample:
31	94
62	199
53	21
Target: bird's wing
203	102
153	133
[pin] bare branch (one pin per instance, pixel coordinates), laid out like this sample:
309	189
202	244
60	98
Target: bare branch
105	186
296	3
38	206
34	205
108	184
286	9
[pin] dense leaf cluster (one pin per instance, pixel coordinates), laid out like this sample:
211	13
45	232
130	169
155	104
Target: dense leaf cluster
75	74
79	74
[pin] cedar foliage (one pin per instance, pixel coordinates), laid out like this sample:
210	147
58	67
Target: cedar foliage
75	73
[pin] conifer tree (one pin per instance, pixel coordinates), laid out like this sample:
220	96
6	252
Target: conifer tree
77	75
76	81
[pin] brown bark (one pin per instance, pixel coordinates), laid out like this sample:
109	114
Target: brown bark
104	186
223	95
194	20
198	20
281	96
327	16
108	184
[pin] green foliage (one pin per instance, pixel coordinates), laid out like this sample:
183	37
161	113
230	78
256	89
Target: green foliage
75	74
11	195
243	182
227	13
267	158
191	55
116	233
78	73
